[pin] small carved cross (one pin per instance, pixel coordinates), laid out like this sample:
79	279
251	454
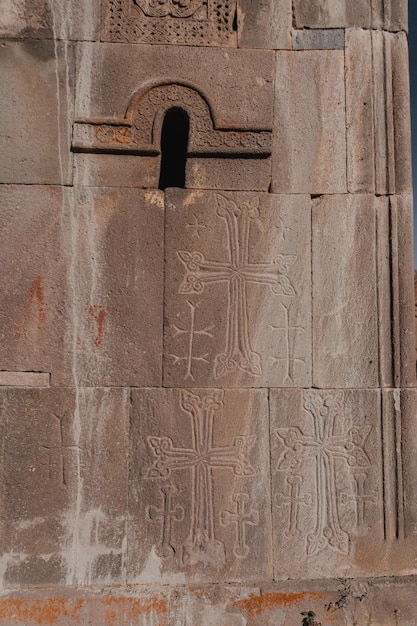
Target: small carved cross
241	518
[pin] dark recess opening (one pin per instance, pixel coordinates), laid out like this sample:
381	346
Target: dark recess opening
174	142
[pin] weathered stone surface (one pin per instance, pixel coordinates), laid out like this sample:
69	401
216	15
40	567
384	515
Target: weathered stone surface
237	296
309	154
33	279
360	111
345	329
388	335
404	403
115	286
327	490
191	23
24	379
332	13
199	486
390	14
46	19
264	24
116	170
61	523
391	113
233	174
319	39
37	110
234	106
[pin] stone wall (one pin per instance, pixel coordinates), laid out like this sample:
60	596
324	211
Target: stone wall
208	393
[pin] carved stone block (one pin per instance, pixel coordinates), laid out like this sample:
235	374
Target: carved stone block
190	22
50	19
60	522
237	297
264	24
216	100
345	322
115	279
239	174
390	14
37	111
116	170
332	13
328	499
319	39
33	280
309	146
199	486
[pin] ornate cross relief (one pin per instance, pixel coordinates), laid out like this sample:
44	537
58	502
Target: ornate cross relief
335	456
181	22
139	130
202	460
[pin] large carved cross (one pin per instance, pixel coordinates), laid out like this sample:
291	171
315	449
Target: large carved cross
237	272
202	458
325	447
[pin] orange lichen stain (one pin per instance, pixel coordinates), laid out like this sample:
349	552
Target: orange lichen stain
96	315
132	609
35	298
40	612
255	605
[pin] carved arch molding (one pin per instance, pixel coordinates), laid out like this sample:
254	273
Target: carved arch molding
139	130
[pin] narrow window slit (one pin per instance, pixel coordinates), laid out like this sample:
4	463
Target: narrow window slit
174	143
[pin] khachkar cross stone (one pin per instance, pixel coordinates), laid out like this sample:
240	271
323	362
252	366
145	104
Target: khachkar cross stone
325	446
175	8
237	273
202	545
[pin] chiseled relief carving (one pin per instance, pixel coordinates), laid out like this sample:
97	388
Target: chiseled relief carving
237	272
181	22
202	460
333	455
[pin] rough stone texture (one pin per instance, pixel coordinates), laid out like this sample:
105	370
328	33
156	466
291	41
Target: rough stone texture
326	39
237	295
332	511
332	13
24	379
390	14
100	96
378	602
193	23
116	170
264	24
115	279
360	114
232	174
60	522
46	19
37	110
199	486
345	330
391	113
310	140
32	280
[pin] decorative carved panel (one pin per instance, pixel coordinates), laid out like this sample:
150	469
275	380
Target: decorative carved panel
181	22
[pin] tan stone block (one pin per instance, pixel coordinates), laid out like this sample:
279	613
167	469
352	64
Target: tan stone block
264	24
332	13
209	70
61	523
24	379
327	489
33	279
391	113
115	282
116	170
390	14
199	507
45	19
37	111
309	150
234	174
191	24
360	111
345	328
237	289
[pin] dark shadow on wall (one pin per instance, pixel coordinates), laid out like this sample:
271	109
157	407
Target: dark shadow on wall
412	39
